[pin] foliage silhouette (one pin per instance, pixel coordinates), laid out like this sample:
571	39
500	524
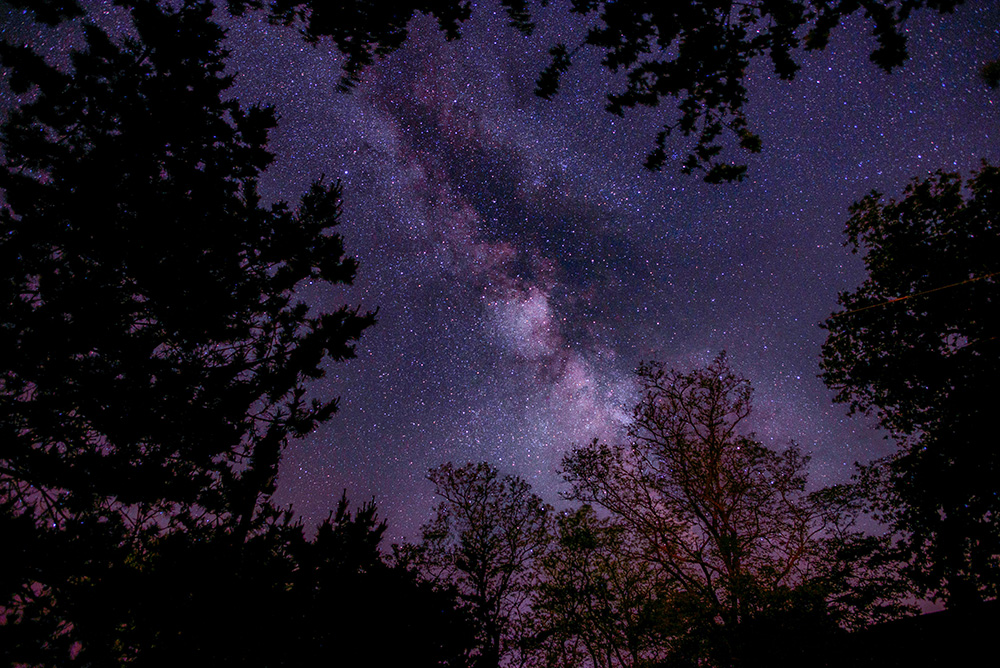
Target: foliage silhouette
696	52
277	599
916	345
485	535
346	599
595	604
990	72
159	361
727	522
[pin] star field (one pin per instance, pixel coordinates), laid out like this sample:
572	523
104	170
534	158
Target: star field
523	262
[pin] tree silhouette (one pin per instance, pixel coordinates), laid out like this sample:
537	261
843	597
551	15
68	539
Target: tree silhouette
698	52
158	358
355	598
916	345
485	535
346	599
744	549
277	599
595	604
694	52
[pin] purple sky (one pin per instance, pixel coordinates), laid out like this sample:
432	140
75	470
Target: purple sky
523	261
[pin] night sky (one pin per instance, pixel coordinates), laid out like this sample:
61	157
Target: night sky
524	262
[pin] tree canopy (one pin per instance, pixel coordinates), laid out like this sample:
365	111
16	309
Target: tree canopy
162	357
749	556
486	533
698	53
595	603
695	53
916	346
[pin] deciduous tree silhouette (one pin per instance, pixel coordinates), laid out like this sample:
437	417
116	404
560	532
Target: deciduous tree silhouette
595	603
157	357
726	521
916	345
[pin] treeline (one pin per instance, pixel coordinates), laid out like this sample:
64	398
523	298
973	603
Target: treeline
157	361
690	544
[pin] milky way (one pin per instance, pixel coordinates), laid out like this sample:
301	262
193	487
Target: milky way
523	262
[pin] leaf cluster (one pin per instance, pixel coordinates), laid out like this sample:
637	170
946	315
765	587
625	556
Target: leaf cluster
698	53
907	342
